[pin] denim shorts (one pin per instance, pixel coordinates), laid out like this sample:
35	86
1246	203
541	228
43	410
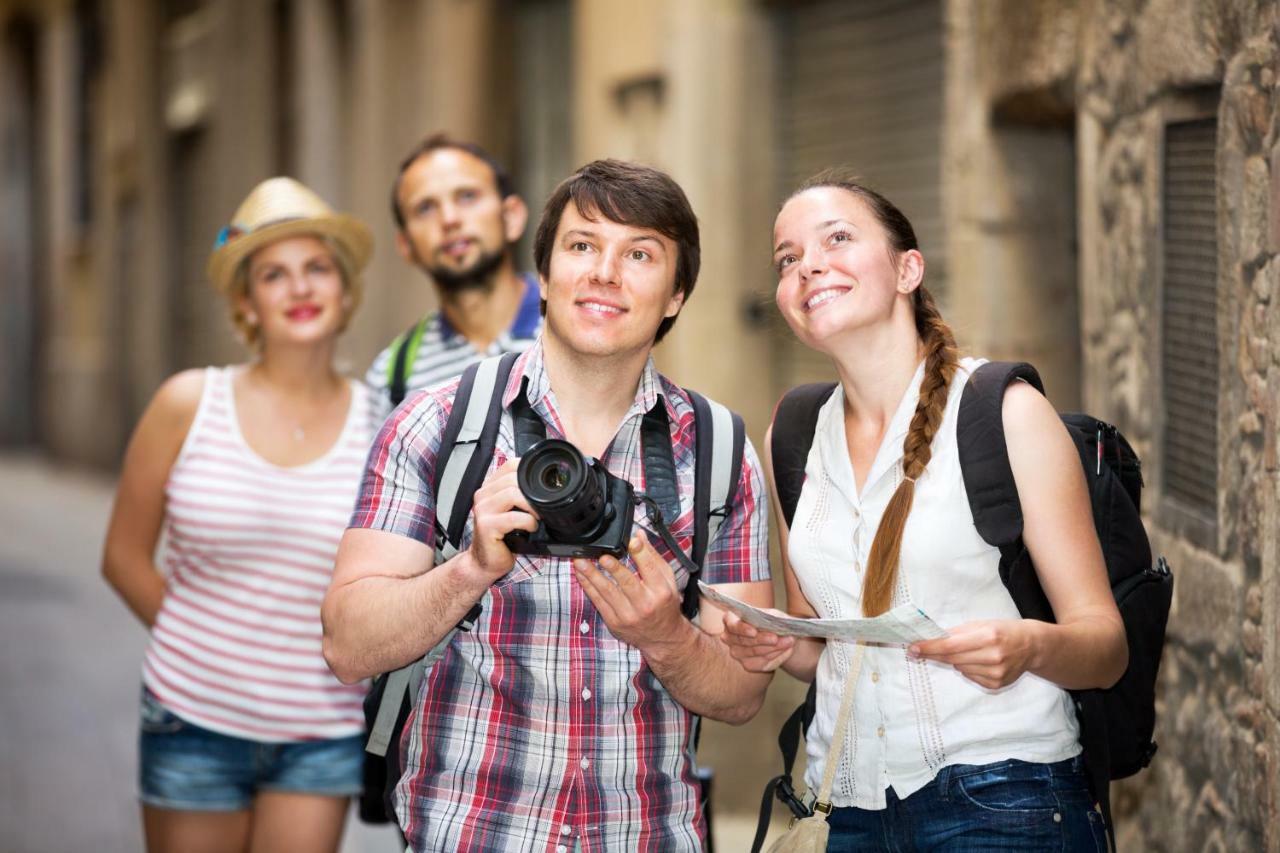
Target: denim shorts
183	766
1008	805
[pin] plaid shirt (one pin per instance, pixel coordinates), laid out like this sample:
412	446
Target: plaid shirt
539	729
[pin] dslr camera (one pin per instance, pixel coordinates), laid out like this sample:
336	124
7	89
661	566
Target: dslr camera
584	510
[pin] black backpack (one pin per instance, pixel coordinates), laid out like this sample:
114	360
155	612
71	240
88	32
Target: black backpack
1116	724
466	448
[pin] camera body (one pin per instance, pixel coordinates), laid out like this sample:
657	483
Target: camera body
583	510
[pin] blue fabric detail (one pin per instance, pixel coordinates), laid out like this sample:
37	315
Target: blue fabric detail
529	317
447	331
1008	805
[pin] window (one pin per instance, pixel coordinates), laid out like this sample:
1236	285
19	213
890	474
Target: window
1189	317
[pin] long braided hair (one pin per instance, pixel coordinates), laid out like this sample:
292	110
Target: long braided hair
940	357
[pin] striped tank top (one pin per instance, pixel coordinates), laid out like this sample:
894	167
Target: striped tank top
249	548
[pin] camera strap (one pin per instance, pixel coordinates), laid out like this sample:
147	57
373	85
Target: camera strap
657	460
471	433
659	527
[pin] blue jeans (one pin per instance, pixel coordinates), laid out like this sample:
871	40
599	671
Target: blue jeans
183	766
1009	805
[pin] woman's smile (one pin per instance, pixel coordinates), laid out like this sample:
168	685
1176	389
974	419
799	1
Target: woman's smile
823	297
302	313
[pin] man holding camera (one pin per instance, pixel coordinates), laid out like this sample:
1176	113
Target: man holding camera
562	720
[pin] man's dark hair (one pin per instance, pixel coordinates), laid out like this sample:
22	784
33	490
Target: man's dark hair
439	141
629	194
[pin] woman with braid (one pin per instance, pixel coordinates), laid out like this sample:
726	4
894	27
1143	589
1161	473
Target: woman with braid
969	742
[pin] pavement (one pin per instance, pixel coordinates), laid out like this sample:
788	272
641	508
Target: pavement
70	663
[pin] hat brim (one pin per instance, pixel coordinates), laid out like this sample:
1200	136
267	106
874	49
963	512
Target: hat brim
351	235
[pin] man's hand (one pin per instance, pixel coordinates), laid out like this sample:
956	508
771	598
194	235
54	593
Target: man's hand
756	649
641	608
992	654
498	508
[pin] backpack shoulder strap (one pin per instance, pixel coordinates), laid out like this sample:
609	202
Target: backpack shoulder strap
984	457
465	449
467	446
401	364
794	422
720	438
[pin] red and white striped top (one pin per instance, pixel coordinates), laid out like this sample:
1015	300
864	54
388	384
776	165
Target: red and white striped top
249	550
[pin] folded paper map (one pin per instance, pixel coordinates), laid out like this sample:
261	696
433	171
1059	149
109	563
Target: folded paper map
904	624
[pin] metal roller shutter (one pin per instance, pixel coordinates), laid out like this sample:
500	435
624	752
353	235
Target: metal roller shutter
861	85
1189	313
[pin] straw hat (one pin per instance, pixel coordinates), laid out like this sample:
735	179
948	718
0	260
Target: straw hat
278	208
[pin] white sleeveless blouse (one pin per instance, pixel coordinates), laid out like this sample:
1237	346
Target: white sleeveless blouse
911	718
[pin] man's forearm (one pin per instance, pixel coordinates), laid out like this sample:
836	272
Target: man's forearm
379	623
701	675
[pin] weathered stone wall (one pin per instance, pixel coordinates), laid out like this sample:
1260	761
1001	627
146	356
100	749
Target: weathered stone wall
1009	181
1213	784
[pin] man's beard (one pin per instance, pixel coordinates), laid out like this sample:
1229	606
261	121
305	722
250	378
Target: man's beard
479	276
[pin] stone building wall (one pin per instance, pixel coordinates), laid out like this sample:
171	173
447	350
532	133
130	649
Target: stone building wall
1115	73
1213	784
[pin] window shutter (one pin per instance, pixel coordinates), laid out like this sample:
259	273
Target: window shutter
861	86
1189	313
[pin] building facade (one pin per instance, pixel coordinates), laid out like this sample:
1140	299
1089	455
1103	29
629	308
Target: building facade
1117	163
1096	187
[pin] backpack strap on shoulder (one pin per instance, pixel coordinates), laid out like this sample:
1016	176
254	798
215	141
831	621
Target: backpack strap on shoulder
467	446
984	457
794	422
720	439
401	365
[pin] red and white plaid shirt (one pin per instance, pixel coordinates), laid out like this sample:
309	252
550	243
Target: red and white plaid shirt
539	729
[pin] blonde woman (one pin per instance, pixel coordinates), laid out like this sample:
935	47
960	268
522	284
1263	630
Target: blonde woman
247	740
969	742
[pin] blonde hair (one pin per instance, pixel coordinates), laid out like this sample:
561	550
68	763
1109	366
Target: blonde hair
239	290
941	356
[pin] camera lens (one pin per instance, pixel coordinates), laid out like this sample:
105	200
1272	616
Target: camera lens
565	490
555	476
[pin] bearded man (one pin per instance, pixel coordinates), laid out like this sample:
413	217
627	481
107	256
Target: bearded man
458	218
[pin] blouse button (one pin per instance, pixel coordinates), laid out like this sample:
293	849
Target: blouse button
875	677
583	628
880	732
